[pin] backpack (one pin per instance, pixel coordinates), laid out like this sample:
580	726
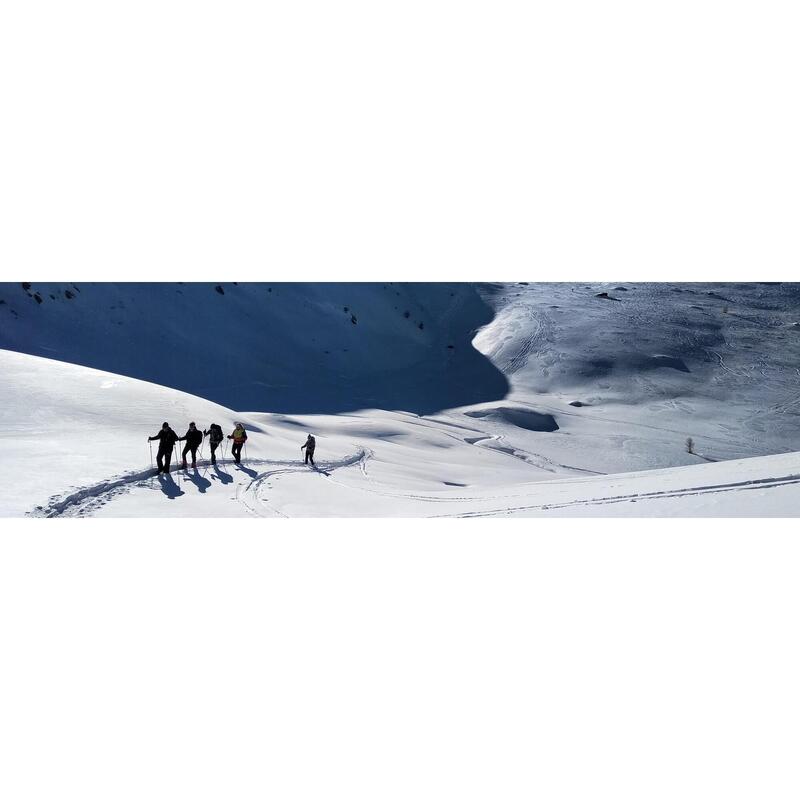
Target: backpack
215	433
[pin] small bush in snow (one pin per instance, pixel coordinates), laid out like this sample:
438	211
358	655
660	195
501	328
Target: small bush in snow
690	445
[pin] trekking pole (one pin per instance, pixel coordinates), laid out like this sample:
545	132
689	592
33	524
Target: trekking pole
246	459
151	454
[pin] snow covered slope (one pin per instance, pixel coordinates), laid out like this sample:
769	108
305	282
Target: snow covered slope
425	398
629	371
67	428
282	347
601	377
74	443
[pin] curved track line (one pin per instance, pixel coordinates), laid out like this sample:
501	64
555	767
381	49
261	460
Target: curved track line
87	496
252	499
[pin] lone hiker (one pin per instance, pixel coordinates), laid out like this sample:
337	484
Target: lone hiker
167	438
239	437
309	446
192	437
214	433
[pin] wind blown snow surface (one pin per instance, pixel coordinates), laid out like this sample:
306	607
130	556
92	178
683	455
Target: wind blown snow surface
486	400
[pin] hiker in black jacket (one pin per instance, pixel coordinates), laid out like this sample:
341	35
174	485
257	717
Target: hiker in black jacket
192	437
166	441
214	433
310	446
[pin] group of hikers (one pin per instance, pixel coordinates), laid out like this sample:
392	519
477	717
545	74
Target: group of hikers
167	438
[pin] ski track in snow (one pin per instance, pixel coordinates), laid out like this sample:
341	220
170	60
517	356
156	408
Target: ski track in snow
258	505
757	483
86	499
531	344
495	442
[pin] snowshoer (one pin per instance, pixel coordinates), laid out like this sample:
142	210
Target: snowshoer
166	441
239	437
309	446
192	437
214	433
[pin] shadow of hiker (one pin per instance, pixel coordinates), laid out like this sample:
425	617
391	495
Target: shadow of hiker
169	487
198	480
221	475
251	472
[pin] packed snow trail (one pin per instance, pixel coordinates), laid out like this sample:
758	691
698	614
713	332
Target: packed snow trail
767	486
88	499
258	502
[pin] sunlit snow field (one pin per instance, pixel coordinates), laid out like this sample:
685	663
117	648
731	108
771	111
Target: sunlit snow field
426	400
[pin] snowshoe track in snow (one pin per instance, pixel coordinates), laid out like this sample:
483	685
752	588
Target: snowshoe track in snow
84	500
258	505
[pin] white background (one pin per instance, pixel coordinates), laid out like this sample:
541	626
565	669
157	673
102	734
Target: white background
414	141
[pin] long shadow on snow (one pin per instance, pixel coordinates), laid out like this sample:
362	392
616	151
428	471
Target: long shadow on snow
198	480
169	487
221	475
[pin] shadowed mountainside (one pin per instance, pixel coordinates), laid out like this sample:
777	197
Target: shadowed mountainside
307	348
